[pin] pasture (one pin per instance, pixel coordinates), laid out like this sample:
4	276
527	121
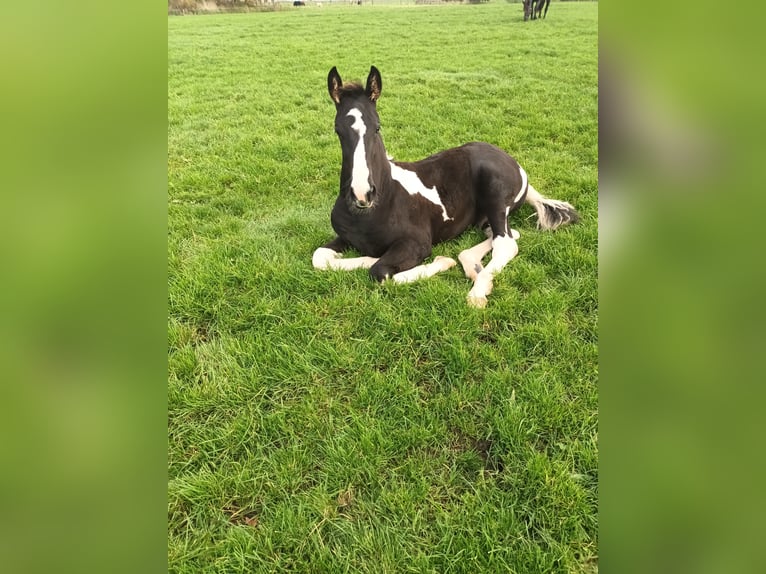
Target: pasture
321	422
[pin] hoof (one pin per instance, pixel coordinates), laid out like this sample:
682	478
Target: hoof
323	258
445	262
476	302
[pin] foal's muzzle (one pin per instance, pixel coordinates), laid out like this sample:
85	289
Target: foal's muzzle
366	203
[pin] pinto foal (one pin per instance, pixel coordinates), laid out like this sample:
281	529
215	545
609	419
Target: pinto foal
394	212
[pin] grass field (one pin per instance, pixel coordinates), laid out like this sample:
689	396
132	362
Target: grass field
317	421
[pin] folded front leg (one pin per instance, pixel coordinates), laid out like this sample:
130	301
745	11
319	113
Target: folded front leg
330	256
328	259
402	255
440	263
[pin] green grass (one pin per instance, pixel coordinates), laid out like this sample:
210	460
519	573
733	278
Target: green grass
319	422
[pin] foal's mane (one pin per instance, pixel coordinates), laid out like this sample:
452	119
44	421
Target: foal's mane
351	89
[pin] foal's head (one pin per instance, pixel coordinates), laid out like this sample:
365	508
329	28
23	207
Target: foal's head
358	128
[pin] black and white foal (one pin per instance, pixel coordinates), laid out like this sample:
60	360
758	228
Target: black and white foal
394	212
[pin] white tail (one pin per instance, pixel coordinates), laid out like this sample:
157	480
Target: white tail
551	213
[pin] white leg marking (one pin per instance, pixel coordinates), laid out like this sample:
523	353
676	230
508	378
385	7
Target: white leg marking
354	263
322	257
325	258
439	264
471	258
504	248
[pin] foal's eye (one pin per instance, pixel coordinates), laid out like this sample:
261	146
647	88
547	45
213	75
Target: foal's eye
377	130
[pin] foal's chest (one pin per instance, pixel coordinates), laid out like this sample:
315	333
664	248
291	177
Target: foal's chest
368	235
373	231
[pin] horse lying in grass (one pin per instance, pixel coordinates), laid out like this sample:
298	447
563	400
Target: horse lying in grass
394	212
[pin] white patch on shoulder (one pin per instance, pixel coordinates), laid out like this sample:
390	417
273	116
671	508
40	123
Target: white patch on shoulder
523	184
360	173
412	185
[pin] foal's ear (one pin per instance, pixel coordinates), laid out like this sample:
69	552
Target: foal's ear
334	84
374	84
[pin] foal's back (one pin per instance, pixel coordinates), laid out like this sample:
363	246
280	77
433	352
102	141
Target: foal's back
460	170
472	180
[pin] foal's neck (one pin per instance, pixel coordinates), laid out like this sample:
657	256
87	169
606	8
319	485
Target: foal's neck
385	165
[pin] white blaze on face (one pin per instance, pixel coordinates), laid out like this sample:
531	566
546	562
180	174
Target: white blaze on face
360	174
412	185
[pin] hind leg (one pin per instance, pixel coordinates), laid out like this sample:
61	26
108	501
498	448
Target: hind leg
504	248
471	258
503	195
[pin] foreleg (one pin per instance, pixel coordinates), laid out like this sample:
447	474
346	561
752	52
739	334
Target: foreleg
439	264
330	256
405	256
471	258
504	248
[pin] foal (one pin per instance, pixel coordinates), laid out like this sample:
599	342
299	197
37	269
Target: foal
394	212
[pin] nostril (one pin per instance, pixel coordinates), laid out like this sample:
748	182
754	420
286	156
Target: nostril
366	201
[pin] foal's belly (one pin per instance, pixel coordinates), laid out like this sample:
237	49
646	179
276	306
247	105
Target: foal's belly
446	230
